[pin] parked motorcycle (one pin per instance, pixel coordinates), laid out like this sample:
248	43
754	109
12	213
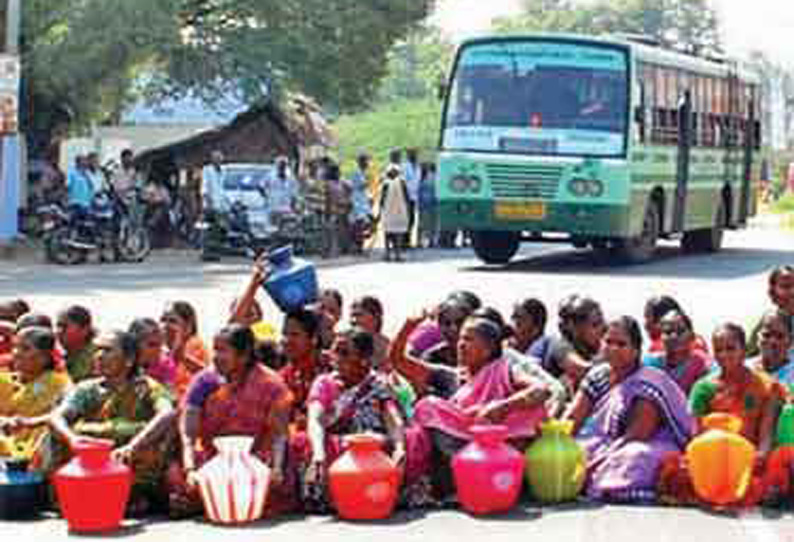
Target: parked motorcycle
109	228
233	235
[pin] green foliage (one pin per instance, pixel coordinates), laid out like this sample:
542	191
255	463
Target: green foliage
80	57
689	25
416	65
785	204
407	123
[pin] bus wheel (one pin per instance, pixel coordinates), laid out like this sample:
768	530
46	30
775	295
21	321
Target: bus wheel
495	247
640	249
709	239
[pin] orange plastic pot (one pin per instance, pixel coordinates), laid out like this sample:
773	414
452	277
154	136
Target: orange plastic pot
721	460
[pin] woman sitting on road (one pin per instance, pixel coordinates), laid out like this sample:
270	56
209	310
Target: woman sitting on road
75	334
581	324
752	396
681	359
489	389
30	393
236	396
351	399
367	313
152	357
133	411
183	342
627	417
775	339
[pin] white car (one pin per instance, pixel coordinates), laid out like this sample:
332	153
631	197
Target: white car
247	183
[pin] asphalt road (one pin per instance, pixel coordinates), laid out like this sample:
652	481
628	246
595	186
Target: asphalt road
728	285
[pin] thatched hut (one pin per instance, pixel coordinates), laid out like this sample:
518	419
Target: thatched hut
295	128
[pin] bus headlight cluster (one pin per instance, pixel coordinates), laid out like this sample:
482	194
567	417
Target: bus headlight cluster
586	187
465	183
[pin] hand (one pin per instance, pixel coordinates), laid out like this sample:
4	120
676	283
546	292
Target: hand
93	430
192	478
261	271
494	412
315	472
398	456
125	454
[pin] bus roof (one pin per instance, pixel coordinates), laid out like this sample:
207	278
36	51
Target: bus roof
640	51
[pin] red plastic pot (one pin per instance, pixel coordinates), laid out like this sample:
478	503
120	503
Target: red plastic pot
93	489
364	480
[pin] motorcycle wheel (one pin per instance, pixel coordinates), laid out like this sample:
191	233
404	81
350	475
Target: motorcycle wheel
134	243
58	249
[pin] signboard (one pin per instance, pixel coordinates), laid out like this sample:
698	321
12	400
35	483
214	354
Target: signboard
9	93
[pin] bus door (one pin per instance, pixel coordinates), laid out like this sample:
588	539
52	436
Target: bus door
733	156
747	173
684	150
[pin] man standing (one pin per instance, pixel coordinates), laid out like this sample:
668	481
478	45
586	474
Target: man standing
214	205
79	185
283	190
125	176
95	172
412	174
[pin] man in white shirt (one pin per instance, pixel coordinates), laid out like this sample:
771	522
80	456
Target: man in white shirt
282	190
212	184
214	205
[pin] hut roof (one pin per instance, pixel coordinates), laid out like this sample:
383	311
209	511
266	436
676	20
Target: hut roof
265	130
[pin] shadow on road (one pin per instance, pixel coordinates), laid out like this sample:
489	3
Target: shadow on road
730	263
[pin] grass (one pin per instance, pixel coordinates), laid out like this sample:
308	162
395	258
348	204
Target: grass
400	124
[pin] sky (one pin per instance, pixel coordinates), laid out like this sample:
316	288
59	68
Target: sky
766	25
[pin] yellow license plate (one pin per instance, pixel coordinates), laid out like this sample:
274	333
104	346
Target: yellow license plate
529	210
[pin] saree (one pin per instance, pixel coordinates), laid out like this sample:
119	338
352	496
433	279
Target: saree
492	383
94	409
195	359
626	471
248	409
359	409
29	400
686	372
446	423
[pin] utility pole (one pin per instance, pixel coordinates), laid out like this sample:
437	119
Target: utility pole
11	144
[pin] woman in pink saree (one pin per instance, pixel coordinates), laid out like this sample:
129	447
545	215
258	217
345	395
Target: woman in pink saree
490	390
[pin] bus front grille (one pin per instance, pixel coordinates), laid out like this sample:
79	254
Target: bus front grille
523	181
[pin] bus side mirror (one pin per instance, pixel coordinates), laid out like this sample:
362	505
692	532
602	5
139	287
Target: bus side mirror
639	114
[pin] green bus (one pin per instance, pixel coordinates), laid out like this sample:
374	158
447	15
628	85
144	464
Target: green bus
609	143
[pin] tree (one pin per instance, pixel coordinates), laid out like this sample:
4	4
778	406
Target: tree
687	25
416	65
81	57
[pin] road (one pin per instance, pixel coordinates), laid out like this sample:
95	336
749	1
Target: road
728	285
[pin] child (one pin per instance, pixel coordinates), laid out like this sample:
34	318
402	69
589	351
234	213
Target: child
394	211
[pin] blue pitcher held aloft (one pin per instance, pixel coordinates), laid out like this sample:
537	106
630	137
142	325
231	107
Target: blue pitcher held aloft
293	281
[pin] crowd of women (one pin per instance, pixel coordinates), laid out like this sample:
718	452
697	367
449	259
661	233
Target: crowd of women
635	399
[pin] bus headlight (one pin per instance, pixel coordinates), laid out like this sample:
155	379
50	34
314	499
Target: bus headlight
596	188
459	183
577	187
465	183
586	187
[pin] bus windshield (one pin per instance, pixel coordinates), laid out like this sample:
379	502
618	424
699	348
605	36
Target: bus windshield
539	97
